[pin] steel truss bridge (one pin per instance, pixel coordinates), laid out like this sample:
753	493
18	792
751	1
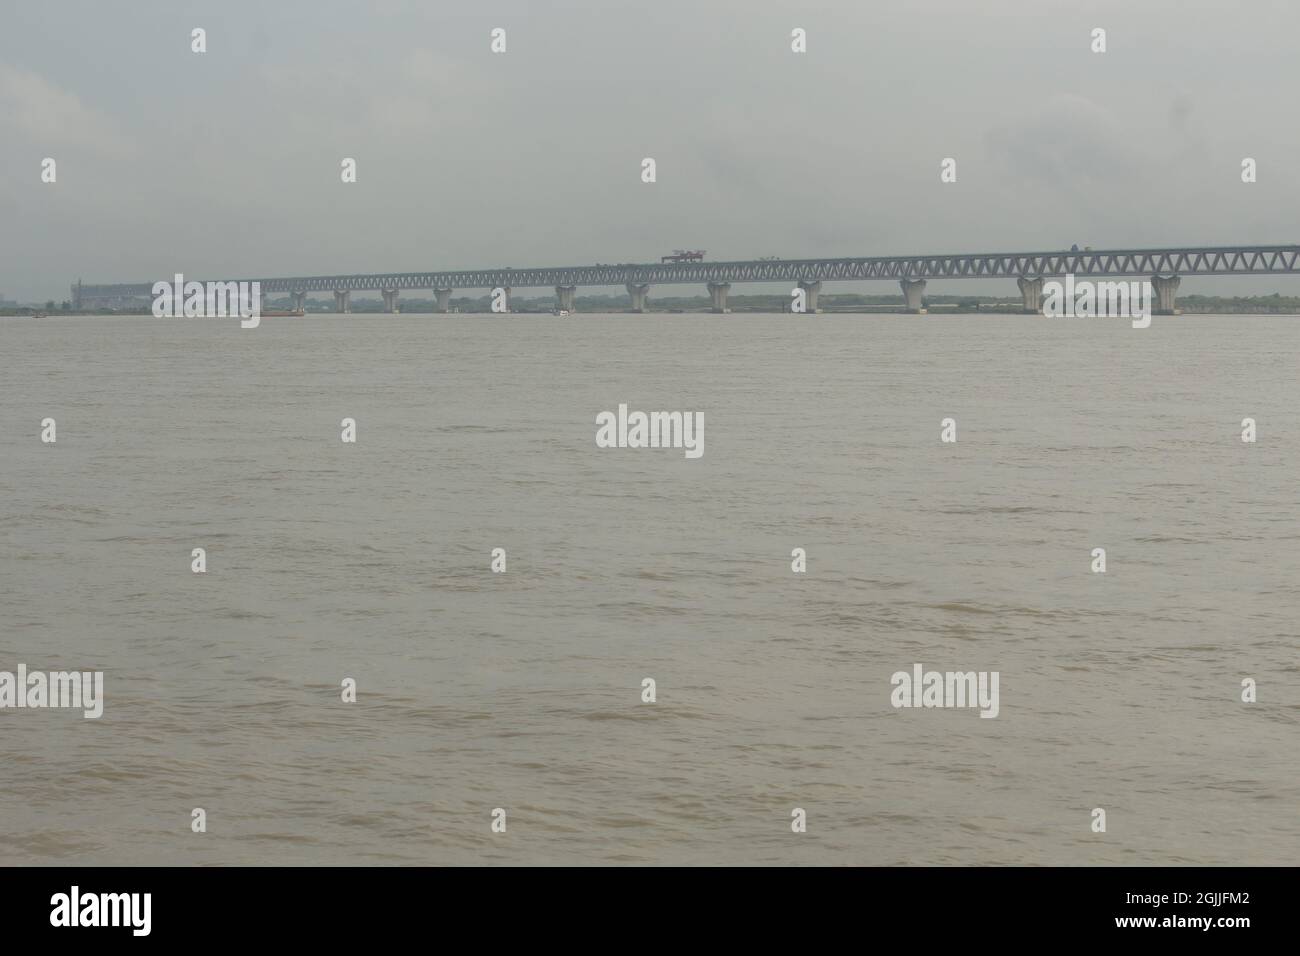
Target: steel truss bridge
909	270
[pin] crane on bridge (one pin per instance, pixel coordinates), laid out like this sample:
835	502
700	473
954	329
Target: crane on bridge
684	255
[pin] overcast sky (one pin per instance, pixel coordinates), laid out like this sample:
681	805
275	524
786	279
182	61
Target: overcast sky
227	163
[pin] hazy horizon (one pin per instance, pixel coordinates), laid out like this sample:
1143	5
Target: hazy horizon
226	163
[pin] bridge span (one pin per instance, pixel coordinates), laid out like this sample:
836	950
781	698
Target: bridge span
1163	267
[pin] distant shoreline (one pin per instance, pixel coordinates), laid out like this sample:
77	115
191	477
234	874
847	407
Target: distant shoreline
580	312
935	308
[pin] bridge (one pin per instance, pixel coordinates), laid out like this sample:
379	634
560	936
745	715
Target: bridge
1163	267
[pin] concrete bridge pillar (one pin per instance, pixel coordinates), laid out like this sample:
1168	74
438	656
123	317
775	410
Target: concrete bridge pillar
811	291
298	301
1165	289
444	300
913	292
639	291
564	296
718	292
1031	291
342	301
390	300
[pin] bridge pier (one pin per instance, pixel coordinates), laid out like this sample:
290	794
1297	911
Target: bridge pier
1165	289
390	300
639	291
913	293
564	295
298	301
342	301
444	300
811	291
1031	291
718	292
